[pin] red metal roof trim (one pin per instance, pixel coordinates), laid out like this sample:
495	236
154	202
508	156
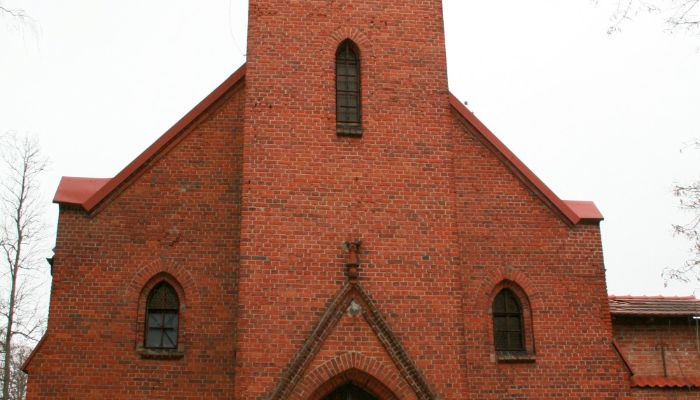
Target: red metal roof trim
665	382
86	193
654	306
575	211
76	191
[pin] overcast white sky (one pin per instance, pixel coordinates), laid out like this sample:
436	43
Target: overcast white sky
596	117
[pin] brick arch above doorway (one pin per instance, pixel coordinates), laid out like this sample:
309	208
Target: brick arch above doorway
352	293
365	372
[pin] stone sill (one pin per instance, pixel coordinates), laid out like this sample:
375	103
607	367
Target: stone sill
508	357
161	354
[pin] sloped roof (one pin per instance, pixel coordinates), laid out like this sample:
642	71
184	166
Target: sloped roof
88	193
574	211
654	306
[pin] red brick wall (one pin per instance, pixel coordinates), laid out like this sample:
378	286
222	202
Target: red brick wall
507	233
442	222
181	217
308	190
439	216
640	341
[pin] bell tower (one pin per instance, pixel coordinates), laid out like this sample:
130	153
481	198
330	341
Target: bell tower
309	186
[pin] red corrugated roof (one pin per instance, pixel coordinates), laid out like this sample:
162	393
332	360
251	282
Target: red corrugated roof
655	306
91	192
664	382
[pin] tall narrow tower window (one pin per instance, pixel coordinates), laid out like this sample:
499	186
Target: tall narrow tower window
347	90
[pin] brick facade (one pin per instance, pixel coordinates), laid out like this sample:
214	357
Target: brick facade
244	207
659	341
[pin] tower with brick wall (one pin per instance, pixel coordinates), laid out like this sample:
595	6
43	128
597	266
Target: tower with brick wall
305	259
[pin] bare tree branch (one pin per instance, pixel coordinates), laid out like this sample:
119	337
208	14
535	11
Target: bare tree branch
21	234
17	13
689	199
678	14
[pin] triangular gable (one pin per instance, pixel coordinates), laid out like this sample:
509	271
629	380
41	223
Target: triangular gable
573	212
351	292
88	193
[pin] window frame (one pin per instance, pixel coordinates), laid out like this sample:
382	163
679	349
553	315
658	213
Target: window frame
348	127
162	312
506	315
141	327
527	352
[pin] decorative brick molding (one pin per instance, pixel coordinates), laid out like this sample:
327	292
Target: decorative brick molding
351	291
364	372
140	323
518	283
147	272
360	39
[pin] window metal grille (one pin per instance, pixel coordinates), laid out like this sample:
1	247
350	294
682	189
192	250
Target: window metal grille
347	87
508	322
162	309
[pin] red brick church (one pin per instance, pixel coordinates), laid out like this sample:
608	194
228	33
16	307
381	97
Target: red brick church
331	223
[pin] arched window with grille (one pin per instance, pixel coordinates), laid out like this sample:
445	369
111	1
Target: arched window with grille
162	317
508	322
347	90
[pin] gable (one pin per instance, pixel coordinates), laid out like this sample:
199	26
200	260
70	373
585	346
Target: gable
89	193
572	212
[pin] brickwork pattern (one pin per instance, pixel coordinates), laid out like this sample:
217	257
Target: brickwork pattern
307	190
641	339
177	220
247	213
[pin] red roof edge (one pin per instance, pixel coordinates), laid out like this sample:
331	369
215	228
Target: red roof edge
574	211
629	297
25	364
586	210
665	382
654	306
84	191
76	191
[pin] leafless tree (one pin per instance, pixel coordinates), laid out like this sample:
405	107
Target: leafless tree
21	239
18	379
689	197
683	15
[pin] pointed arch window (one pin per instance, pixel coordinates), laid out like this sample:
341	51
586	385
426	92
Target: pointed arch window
508	322
162	317
347	90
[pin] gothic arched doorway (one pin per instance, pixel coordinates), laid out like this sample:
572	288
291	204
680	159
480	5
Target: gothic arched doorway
349	392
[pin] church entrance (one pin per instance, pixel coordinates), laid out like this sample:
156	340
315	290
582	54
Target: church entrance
349	392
